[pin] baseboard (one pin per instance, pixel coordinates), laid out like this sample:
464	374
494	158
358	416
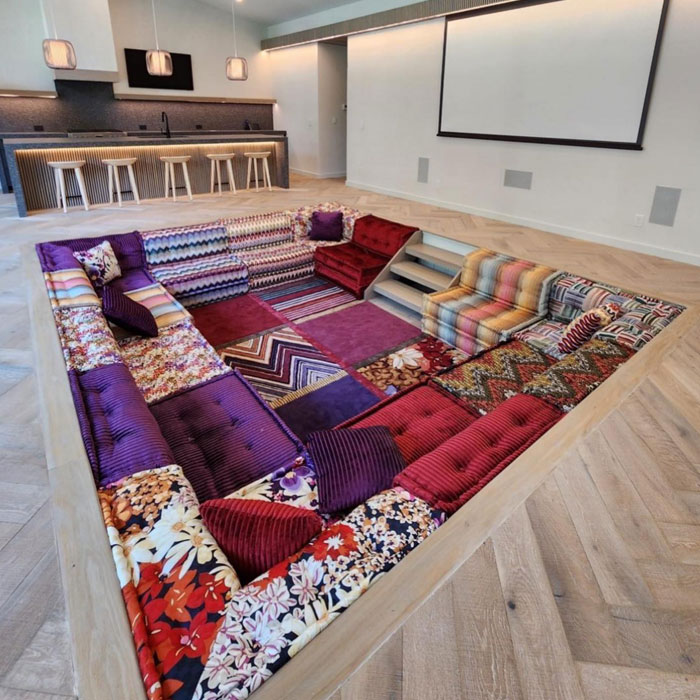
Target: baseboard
647	248
320	176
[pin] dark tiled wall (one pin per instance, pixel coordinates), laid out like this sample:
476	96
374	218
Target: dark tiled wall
91	106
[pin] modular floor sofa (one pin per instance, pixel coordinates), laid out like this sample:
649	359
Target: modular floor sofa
172	432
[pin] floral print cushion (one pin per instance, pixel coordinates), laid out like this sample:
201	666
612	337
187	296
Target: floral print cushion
100	263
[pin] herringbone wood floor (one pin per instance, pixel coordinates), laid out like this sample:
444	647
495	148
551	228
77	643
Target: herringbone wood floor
591	588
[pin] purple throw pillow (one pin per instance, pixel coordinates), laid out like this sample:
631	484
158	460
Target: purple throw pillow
352	465
326	226
127	313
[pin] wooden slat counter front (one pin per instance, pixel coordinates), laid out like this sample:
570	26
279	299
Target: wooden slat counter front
33	180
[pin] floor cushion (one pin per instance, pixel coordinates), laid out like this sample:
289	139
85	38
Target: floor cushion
544	335
637	327
256	535
277	264
381	236
419	420
488	380
450	475
349	265
224	436
121	436
176	244
566	383
259	230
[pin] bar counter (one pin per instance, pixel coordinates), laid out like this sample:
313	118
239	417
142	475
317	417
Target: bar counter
33	180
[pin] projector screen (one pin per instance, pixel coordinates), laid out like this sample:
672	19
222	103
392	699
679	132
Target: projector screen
576	72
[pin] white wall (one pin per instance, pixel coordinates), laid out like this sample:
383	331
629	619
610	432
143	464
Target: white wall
205	32
393	97
332	95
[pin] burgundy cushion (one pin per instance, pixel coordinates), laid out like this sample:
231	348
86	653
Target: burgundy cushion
353	465
121	436
419	420
450	475
326	226
380	235
256	535
224	436
127	313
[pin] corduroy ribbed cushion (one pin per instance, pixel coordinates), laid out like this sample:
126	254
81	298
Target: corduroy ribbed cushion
450	475
256	535
352	465
127	313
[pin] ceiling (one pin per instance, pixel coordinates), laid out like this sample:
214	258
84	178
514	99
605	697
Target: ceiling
275	11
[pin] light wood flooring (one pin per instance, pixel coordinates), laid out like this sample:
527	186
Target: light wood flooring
589	589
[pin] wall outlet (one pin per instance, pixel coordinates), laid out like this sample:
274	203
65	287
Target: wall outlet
639	220
199	127
38	127
143	127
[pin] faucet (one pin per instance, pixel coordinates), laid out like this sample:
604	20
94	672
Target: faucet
164	118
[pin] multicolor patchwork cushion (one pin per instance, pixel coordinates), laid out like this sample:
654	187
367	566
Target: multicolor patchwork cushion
100	263
178	358
204	280
256	535
543	335
279	613
161	304
281	263
637	327
127	313
176	582
167	245
566	383
487	381
301	218
258	231
67	288
406	366
86	338
571	295
583	327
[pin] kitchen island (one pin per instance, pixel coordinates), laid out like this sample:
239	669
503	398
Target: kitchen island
33	180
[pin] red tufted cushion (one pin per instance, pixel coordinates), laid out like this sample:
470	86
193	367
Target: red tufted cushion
349	265
380	235
450	475
419	420
256	535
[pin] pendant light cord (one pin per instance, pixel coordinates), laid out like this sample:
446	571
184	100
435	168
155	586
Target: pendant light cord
233	15
155	25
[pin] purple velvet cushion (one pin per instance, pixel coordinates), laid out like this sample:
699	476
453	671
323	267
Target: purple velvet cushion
224	436
127	313
352	465
60	257
121	436
326	226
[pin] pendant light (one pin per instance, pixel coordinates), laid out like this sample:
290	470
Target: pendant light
158	62
59	54
236	67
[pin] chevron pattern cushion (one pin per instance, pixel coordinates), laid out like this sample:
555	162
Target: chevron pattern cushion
488	380
566	383
259	231
169	245
282	263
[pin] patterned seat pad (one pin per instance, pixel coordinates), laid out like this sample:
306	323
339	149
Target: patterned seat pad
277	264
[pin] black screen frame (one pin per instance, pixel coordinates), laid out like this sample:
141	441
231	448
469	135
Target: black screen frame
138	76
624	145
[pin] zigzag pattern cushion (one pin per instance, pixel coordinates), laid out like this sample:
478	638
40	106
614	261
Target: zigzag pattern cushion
259	231
168	245
282	263
490	379
457	470
637	327
566	383
204	280
583	327
256	535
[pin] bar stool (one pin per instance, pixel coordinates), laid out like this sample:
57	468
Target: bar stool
58	167
253	159
216	159
170	162
113	165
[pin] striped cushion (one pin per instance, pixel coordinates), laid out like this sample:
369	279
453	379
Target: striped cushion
352	465
637	327
543	335
169	245
68	288
571	295
583	327
258	231
163	306
256	535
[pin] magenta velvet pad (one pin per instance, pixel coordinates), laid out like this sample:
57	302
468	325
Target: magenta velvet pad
326	226
352	465
127	313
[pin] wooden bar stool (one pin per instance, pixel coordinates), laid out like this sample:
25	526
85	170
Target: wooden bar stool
216	159
170	162
58	167
113	165
253	159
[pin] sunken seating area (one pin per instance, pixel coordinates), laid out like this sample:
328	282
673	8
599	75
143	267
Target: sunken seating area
256	477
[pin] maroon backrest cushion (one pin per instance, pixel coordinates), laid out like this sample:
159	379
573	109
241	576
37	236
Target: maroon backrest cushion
450	475
381	236
326	226
352	465
256	535
127	313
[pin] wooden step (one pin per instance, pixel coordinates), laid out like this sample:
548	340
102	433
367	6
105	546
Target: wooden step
426	276
437	256
401	293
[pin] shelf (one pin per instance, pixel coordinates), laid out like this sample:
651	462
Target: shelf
149	97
